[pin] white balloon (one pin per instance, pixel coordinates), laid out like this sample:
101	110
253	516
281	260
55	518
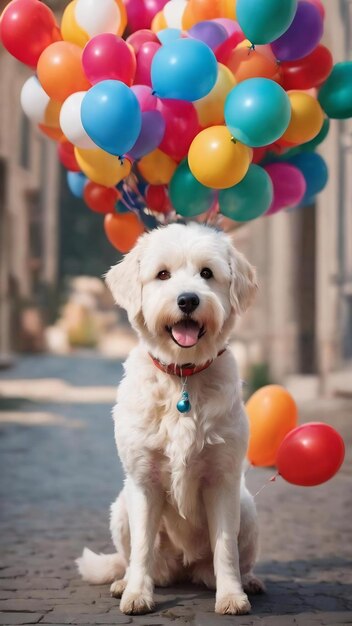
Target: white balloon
173	13
34	100
71	123
98	16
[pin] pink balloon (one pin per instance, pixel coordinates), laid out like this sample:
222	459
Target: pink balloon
137	39
152	7
144	62
182	126
144	95
289	186
137	16
107	56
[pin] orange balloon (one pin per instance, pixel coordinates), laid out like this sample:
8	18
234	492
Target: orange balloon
123	230
157	168
247	63
51	132
52	114
60	70
158	22
272	414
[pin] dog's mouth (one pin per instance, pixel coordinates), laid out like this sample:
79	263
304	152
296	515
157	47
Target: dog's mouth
186	333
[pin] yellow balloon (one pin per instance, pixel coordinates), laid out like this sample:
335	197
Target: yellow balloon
216	160
157	168
52	114
307	118
229	9
210	109
70	30
158	22
101	167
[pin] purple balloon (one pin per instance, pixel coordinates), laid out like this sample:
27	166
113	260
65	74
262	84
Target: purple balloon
289	186
302	36
151	135
209	32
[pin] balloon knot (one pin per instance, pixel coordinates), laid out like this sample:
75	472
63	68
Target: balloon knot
252	47
120	158
153	93
233	140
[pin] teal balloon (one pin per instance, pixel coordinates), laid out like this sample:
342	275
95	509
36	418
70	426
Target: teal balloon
184	69
335	96
120	207
257	112
263	21
313	143
250	198
188	196
315	172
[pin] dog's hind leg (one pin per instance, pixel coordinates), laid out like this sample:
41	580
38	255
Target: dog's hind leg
248	544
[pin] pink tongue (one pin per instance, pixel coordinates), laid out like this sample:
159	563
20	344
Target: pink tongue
186	334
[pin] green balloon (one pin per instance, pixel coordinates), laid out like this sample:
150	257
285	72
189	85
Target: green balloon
250	198
335	96
188	196
313	143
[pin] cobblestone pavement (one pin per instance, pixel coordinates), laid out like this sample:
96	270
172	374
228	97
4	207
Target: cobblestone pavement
59	473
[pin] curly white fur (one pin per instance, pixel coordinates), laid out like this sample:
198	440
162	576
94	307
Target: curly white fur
184	512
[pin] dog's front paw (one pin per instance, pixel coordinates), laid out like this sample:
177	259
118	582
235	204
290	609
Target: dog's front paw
133	603
118	587
232	604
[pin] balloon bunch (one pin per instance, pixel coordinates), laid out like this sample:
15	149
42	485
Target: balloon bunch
205	109
304	455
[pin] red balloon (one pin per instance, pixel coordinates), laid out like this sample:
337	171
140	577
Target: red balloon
27	27
310	454
259	154
157	198
223	51
99	198
311	71
67	157
144	59
108	57
182	125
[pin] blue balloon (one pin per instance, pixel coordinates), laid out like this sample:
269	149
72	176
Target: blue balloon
262	21
120	207
250	198
315	172
76	182
257	112
168	34
111	116
184	69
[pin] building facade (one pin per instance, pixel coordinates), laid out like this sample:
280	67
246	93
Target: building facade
301	325
29	188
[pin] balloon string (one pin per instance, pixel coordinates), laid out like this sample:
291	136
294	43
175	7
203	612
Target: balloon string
270	480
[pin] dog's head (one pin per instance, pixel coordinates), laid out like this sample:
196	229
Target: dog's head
182	287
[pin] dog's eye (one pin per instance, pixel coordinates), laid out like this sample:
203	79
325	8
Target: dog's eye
206	273
164	275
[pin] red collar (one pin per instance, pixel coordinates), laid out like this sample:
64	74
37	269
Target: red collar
188	369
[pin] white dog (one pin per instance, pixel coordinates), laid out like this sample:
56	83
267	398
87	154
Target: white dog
184	512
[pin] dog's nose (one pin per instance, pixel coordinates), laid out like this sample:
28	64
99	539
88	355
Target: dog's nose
188	302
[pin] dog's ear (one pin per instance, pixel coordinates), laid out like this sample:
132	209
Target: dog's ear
243	281
124	284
